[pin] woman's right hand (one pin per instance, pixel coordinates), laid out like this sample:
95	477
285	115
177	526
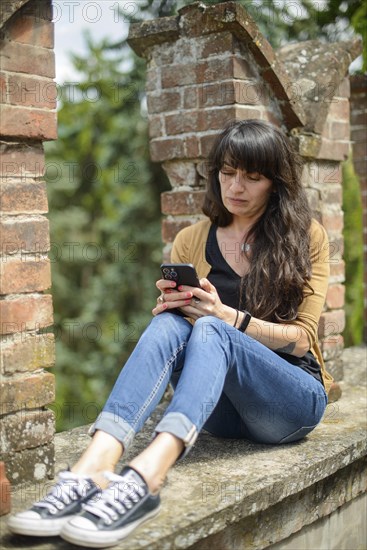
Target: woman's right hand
170	297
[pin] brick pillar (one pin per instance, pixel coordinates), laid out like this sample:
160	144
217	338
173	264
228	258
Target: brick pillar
359	137
28	118
210	65
324	185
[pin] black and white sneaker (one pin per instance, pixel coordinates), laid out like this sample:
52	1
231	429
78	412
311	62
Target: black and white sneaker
122	507
47	517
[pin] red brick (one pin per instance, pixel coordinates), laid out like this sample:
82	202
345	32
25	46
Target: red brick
3	88
325	173
27	352
335	296
23	198
179	75
339	130
170	228
28	29
190	97
156	128
274	119
32	92
332	348
333	221
21	159
331	324
359	134
30	235
339	109
192	147
31	392
344	88
337	270
26	430
24	275
332	194
24	58
28	123
25	313
333	150
182	202
246	92
358	83
206	143
358	117
215	44
313	198
166	101
213	69
152	82
180	123
166	149
359	150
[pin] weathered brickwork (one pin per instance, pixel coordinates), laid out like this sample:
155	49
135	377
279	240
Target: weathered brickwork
211	65
28	117
206	66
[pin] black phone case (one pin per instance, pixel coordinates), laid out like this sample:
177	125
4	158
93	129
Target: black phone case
182	274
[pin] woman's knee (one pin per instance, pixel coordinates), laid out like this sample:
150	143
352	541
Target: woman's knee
209	327
167	321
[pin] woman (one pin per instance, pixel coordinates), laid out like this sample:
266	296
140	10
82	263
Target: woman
241	351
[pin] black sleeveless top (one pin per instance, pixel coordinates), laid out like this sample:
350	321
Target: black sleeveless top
227	282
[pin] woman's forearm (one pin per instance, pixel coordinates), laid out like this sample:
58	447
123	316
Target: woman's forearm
282	337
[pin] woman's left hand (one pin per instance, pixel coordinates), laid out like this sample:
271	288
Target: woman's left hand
205	301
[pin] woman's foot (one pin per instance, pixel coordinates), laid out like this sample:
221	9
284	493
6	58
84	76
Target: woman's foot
47	517
121	508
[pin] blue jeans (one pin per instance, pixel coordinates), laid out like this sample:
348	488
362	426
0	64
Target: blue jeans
224	382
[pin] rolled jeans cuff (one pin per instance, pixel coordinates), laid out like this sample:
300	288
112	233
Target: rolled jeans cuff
115	426
179	425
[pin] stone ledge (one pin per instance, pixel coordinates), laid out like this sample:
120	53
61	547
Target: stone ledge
226	491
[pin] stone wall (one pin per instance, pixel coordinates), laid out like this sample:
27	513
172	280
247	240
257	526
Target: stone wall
28	117
359	138
210	65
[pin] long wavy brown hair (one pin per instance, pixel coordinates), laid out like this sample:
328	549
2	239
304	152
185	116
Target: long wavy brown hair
280	265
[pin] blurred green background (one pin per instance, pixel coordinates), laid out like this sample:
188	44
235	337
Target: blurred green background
104	200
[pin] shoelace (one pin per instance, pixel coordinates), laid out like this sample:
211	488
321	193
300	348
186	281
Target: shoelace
69	488
119	497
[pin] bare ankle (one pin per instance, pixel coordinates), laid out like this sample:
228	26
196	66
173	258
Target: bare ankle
155	481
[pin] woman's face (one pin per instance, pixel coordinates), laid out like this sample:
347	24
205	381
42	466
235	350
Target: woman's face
244	194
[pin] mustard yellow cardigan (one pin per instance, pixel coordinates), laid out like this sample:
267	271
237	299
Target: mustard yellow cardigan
189	247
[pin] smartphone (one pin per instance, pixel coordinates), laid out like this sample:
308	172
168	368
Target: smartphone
182	274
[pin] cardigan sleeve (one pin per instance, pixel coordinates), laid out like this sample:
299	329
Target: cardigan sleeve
312	305
180	248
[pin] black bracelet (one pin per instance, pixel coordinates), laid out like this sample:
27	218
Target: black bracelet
237	314
245	321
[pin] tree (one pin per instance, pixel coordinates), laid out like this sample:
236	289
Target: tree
105	228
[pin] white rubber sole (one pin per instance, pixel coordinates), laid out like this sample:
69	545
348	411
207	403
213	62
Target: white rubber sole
36	528
101	539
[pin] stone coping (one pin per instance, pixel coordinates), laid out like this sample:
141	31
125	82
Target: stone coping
222	482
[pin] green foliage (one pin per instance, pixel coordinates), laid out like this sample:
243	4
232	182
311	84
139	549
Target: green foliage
105	229
359	22
104	196
353	255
